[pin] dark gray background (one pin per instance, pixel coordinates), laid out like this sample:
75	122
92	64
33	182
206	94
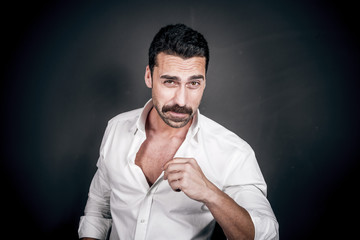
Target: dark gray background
282	75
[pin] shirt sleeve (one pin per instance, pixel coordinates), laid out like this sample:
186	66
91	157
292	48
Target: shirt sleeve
246	185
97	220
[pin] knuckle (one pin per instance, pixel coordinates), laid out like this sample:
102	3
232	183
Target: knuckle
184	184
169	167
187	166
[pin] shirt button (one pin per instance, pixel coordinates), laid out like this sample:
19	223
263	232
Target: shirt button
142	220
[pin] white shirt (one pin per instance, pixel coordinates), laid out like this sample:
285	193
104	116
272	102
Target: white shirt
121	199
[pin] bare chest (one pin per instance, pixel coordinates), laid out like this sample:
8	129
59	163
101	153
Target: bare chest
153	154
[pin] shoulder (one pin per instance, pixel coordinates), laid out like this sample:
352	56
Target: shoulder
222	137
122	123
130	116
120	127
230	160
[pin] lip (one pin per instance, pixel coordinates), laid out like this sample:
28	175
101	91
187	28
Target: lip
178	115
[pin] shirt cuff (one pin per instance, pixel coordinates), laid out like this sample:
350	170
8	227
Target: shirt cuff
266	227
94	227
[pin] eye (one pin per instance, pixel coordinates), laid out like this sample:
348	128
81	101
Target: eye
193	84
169	83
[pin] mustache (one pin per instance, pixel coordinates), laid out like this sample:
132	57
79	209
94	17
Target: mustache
176	108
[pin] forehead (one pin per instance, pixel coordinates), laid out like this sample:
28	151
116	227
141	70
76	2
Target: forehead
168	63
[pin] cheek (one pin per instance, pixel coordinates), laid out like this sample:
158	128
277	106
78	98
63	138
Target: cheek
162	95
195	99
197	95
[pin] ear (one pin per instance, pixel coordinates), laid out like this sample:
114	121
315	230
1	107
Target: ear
148	78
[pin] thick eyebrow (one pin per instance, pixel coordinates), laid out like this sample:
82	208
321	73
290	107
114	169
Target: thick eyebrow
195	77
168	77
175	78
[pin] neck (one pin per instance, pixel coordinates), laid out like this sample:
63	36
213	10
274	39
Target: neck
156	125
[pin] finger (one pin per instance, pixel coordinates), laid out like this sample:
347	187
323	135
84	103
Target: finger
178	167
173	168
175	185
177	160
175	176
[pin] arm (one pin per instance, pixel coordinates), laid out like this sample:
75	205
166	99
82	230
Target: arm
232	216
186	175
233	219
96	221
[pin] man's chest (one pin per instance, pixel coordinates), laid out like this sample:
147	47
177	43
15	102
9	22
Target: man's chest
153	154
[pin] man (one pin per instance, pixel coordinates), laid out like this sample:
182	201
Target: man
167	172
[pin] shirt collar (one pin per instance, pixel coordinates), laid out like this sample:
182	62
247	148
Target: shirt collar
140	124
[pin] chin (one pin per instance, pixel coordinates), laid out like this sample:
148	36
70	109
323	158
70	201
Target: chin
174	124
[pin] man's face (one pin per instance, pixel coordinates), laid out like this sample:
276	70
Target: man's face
177	87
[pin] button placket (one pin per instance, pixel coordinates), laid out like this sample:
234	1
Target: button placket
144	213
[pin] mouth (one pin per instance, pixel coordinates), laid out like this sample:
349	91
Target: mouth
177	117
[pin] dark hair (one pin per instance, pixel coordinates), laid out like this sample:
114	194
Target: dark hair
178	40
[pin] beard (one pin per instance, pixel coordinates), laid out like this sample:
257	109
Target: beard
175	122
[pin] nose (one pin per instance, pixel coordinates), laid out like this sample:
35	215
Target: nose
180	96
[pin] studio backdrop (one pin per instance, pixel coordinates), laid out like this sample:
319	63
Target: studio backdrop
283	75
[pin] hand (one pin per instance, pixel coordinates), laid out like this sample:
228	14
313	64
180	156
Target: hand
185	174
